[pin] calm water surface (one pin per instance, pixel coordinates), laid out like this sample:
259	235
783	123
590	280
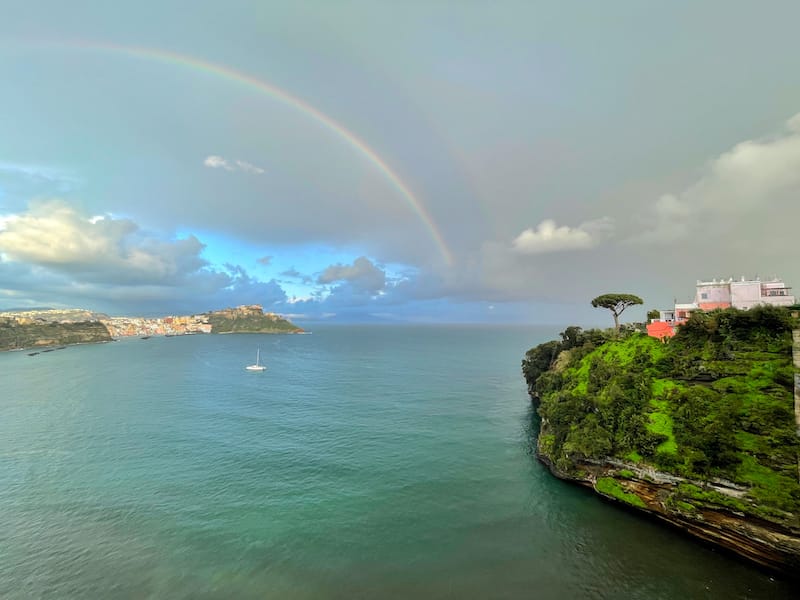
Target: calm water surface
365	462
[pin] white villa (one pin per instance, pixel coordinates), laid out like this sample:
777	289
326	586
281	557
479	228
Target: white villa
723	293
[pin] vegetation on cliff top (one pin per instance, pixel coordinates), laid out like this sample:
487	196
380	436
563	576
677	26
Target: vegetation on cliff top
242	320
14	335
714	402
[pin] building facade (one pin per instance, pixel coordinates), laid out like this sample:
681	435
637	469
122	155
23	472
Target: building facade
725	293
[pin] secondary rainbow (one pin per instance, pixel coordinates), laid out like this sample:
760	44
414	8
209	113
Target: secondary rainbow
273	91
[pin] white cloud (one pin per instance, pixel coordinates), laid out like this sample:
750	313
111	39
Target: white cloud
55	235
549	237
217	162
752	176
248	168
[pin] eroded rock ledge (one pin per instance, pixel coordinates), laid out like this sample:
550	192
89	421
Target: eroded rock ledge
693	507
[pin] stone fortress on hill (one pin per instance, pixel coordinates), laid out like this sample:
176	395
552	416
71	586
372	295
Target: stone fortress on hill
719	294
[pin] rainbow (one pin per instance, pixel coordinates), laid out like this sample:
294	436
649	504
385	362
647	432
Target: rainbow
263	87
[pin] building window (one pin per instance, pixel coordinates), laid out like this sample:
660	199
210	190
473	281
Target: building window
704	296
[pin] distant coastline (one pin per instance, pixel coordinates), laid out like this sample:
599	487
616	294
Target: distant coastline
45	328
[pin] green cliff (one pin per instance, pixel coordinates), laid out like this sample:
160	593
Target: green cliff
699	431
16	335
249	319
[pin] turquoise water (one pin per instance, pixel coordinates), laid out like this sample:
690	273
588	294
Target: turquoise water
365	462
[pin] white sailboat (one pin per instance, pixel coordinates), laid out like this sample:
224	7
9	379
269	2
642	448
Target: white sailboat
258	366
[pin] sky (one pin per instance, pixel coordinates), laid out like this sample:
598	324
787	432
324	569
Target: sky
374	161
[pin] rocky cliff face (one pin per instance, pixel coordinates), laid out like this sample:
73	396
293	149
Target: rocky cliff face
706	510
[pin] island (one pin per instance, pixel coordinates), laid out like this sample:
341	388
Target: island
249	319
41	328
698	431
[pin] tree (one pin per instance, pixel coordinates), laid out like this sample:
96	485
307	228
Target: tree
653	314
616	303
571	337
539	359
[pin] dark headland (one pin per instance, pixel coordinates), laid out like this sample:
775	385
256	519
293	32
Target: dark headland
698	432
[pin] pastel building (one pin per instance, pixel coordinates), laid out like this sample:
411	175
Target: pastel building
725	293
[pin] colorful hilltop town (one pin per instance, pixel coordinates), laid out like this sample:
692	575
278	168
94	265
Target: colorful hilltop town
138	326
117	326
723	293
175	325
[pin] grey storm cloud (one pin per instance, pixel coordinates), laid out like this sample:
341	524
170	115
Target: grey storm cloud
362	275
293	273
753	179
735	219
594	172
52	250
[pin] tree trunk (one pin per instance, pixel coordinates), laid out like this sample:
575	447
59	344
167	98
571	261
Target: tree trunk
616	321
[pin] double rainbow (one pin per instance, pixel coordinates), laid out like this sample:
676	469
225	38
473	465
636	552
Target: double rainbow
263	87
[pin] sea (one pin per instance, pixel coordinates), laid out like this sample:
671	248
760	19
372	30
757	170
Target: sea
367	461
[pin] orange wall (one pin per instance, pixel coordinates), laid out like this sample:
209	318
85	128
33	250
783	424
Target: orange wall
659	329
714	305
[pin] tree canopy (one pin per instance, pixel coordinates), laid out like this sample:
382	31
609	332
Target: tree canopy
716	402
616	303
